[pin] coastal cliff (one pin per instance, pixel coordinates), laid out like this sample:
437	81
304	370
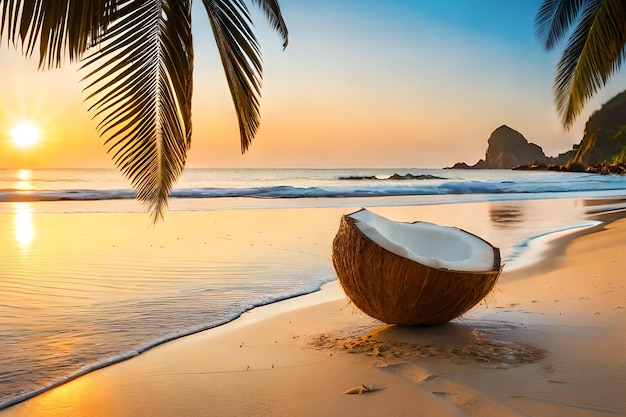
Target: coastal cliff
604	141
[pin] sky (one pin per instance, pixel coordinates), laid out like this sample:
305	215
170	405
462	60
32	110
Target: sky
363	83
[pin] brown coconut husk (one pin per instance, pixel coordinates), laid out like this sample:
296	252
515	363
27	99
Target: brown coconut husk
397	290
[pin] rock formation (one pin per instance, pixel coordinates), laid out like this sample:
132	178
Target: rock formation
605	135
602	149
462	165
507	148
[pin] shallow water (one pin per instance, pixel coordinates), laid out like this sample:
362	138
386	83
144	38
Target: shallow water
80	290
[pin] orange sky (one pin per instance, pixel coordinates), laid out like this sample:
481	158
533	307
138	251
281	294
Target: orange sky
359	87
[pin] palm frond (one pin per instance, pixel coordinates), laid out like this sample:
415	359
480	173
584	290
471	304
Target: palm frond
594	52
241	59
275	18
60	28
241	56
140	83
140	76
554	19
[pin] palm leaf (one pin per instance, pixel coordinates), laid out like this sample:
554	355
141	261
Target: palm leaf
241	59
241	56
275	18
140	83
140	77
555	18
58	27
594	52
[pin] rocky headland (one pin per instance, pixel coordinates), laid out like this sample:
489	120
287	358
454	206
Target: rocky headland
601	150
509	149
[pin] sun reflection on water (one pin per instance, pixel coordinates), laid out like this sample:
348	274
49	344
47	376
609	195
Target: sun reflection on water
24	176
24	230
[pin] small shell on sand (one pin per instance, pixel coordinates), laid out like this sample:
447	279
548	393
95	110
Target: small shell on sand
358	390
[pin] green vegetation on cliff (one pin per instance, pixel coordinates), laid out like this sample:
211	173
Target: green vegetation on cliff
605	135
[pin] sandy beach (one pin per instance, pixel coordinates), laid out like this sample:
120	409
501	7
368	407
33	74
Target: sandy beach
548	341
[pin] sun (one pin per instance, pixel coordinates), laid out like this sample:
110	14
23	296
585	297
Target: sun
25	135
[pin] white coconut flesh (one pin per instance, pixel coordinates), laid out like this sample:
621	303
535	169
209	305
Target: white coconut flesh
430	244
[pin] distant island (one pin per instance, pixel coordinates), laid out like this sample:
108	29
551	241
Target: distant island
601	150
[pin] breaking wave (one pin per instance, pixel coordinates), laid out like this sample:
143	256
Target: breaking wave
332	191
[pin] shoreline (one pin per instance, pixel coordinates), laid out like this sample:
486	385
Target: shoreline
260	316
327	292
555	247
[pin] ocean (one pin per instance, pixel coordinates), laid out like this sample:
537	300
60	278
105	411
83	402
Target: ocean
438	186
86	280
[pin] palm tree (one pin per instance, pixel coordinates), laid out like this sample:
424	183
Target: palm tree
138	58
594	51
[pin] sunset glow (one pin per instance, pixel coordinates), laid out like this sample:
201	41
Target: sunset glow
25	135
23	176
24	230
426	89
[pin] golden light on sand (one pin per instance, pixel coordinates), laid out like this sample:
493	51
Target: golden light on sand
25	135
24	230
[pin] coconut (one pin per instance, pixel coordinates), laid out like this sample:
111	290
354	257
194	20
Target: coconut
412	273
